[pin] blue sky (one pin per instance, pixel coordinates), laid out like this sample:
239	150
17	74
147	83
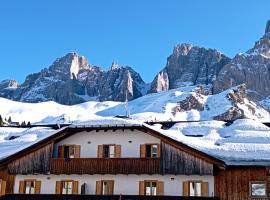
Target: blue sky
138	33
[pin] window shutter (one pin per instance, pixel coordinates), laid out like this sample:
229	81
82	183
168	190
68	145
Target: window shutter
99	188
117	151
60	151
111	187
37	187
160	188
100	151
205	189
21	187
77	151
3	187
185	189
141	188
158	150
143	150
58	187
75	186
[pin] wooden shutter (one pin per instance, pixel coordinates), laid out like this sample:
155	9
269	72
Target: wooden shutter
21	187
37	187
99	188
60	151
3	187
143	150
58	187
185	189
141	188
117	151
205	189
75	186
111	187
100	151
160	188
77	151
158	150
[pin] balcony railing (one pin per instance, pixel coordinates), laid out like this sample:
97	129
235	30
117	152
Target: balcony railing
105	166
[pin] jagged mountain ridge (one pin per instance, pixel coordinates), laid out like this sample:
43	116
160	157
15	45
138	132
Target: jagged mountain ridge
71	80
189	65
251	68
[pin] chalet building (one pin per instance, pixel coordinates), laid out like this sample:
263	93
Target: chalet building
126	159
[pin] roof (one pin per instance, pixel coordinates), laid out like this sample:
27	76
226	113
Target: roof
106	125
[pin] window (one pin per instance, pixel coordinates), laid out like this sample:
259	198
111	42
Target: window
258	189
67	187
29	187
69	151
195	188
151	150
104	187
109	151
151	188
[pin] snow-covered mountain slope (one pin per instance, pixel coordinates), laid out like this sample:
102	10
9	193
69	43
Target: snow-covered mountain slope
182	104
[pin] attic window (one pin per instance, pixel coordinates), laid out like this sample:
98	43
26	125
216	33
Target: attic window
258	189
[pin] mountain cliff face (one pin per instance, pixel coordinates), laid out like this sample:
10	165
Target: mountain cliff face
71	80
251	68
189	65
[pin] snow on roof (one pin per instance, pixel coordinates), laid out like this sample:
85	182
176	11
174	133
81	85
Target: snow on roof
245	142
107	122
13	140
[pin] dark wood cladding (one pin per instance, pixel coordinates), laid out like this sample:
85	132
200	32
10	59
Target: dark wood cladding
36	162
4	175
234	182
105	166
175	161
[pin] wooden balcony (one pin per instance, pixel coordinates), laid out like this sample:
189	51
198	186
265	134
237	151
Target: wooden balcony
105	166
97	197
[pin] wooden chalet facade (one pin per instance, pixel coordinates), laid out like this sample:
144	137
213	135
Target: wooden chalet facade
131	160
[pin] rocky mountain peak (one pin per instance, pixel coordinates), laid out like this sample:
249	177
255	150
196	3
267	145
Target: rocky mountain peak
251	68
267	28
189	65
114	65
70	64
182	49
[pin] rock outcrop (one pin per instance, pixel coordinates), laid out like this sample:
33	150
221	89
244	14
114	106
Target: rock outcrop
251	68
71	80
189	65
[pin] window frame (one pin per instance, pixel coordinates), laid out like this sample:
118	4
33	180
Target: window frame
34	185
151	146
62	186
69	146
194	181
109	153
150	181
257	182
108	185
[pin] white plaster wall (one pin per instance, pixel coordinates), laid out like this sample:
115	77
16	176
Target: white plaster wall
118	137
123	184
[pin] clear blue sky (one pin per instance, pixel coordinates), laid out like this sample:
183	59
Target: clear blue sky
139	33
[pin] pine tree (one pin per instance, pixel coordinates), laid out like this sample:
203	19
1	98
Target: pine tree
9	120
1	121
28	124
23	123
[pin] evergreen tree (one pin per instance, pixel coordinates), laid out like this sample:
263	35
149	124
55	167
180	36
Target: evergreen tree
9	120
23	123
1	121
28	124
